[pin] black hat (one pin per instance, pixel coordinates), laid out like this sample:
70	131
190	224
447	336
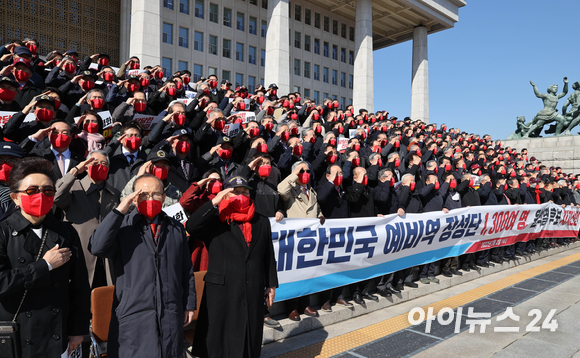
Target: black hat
155	156
223	140
181	132
22	50
13	149
44	98
10	81
226	82
72	53
273	85
132	77
102	54
88	73
235	182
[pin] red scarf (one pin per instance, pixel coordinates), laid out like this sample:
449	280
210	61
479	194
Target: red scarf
229	211
538	191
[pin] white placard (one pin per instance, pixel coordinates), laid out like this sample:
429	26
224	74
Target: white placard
5	116
342	144
176	211
231	129
147	121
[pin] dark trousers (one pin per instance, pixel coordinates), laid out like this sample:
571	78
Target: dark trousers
483	257
429	269
450	264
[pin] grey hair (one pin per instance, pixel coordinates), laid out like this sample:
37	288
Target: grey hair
406	176
373	155
431	162
327	135
306	130
295	165
384	171
101	152
214	111
483	176
390	156
90	93
562	182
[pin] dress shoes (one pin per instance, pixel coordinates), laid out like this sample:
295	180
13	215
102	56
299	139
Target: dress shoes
447	273
294	316
393	289
457	272
399	287
272	323
411	284
326	307
343	302
358	299
385	293
370	296
311	312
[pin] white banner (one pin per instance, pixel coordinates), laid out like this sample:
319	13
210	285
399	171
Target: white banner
231	129
176	212
147	121
313	257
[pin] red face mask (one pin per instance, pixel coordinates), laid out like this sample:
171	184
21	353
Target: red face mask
437	185
149	208
171	91
297	150
365	180
291	106
132	87
453	184
297	100
304	178
185	80
380	162
60	141
340	130
21	76
179	119
338	180
383	142
331	158
98	172
261	99
215	187
352	124
108	77
219	125
225	154
135	66
513	175
397	144
471	183
285	135
5	169
332	142
397	163
242	106
376	149
91	127
160	172
144	82
56	104
32	48
357	147
447	167
355	162
412	186
182	147
294	116
159	74
294	130
254	132
36	205
7	95
97	103
270	111
265	170
392	182
70	68
213	84
269	126
140	106
103	61
179	85
133	143
503	171
273	92
384	128
285	104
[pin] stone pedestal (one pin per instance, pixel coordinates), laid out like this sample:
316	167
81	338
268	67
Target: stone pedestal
561	152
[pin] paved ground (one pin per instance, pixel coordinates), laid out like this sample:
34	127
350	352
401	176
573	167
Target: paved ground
545	284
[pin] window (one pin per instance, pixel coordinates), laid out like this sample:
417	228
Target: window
239	80
184	6
351	57
317	72
262	57
212	71
326	23
168	33
253	25
334	52
297	89
316	97
198	41
254	2
325	95
334	75
252	55
333	96
166	63
265	4
183	37
343	54
296	39
213	44
307	92
240	21
307	16
325	49
307	69
307	43
199	8
213	13
226	48
317	20
168	4
350	81
343	79
197	72
297	12
227	17
343	32
334	27
239	52
351	34
264	28
181	65
226	75
342	102
251	84
297	67
350	101
262	81
317	46
325	75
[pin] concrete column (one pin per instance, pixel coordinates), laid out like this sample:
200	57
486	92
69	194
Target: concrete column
420	79
278	46
125	32
146	32
363	91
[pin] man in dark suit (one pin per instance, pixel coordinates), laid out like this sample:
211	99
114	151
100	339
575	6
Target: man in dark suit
181	170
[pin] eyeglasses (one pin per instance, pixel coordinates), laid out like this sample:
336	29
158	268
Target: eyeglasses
33	189
8	161
105	164
161	165
155	196
304	171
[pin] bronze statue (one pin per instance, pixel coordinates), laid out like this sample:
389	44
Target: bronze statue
522	128
549	113
573	116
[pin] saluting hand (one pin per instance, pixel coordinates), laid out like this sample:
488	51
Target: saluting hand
220	196
125	204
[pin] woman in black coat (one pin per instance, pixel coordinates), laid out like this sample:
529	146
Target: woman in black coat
42	256
242	270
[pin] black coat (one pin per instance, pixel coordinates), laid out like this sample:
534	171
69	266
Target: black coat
57	302
154	284
120	172
233	298
360	199
332	203
43	149
486	195
385	198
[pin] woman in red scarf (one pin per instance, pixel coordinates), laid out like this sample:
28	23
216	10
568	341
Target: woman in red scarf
241	276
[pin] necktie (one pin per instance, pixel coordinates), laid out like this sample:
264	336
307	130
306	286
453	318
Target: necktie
60	162
184	168
154	231
131	159
306	193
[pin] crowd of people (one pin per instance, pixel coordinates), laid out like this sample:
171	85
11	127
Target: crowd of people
81	200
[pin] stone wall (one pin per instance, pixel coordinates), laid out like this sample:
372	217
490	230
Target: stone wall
561	151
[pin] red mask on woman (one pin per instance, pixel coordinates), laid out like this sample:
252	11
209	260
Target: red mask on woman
149	208
60	140
91	127
5	169
98	172
160	172
36	205
265	170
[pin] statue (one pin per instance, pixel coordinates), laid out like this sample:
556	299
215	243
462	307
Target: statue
521	128
549	113
573	117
